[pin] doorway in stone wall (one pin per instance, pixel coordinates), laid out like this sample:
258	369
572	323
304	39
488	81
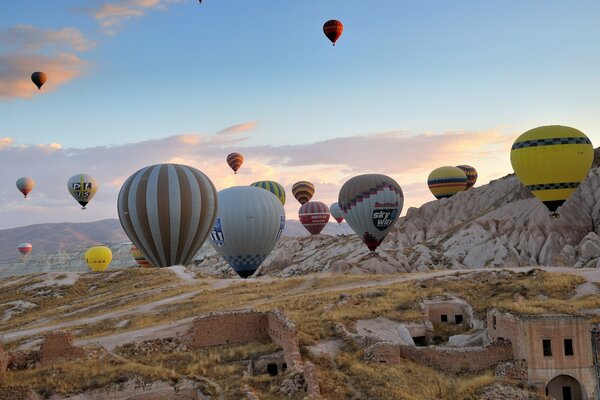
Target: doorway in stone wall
565	387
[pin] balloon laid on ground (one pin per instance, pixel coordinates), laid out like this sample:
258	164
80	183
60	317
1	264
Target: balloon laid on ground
25	185
333	30
139	258
82	187
235	161
25	248
552	161
336	212
249	222
98	258
471	175
272	187
167	211
371	204
446	181
314	216
303	191
39	78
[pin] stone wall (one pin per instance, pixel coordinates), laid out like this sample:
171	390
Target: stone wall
516	370
231	327
282	331
449	359
58	346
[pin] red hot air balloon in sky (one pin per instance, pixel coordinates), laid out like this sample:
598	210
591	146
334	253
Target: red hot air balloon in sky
235	161
314	216
39	78
333	30
25	248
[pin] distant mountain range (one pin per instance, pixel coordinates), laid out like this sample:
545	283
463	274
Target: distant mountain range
67	237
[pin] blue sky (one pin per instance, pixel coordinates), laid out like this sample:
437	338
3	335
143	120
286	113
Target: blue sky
412	69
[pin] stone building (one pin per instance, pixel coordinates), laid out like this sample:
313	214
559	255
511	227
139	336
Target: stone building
557	349
441	310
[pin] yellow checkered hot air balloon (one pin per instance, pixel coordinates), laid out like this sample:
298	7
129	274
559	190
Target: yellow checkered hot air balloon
552	161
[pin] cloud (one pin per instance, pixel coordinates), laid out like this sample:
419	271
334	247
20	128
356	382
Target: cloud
27	49
408	158
112	15
27	38
243	127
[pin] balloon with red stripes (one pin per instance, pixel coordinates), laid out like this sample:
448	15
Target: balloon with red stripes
314	216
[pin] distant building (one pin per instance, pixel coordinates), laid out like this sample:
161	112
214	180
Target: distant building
558	350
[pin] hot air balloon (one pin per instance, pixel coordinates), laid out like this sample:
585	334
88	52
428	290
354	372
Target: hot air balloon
333	30
25	185
471	175
39	78
336	212
82	187
303	191
235	161
446	181
98	258
314	216
167	211
371	204
25	248
139	257
249	222
552	161
272	187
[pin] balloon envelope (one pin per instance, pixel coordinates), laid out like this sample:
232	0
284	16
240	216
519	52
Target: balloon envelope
39	78
98	258
333	30
471	175
336	212
82	187
303	191
235	161
167	211
272	187
139	258
25	248
314	216
25	185
552	161
446	181
249	222
371	204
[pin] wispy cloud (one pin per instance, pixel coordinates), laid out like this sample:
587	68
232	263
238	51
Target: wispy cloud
243	127
328	164
26	49
112	15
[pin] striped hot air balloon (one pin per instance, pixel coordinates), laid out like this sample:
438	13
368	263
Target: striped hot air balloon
336	212
333	30
139	257
249	222
235	161
272	187
25	248
446	181
25	185
471	175
371	204
314	216
552	161
167	210
303	191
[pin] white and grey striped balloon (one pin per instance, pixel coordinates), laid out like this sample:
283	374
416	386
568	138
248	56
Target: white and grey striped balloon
168	210
249	222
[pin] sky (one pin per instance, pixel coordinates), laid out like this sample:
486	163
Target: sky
410	86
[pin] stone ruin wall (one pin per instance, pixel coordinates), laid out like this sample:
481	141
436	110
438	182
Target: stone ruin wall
58	346
443	358
282	332
4	358
232	327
